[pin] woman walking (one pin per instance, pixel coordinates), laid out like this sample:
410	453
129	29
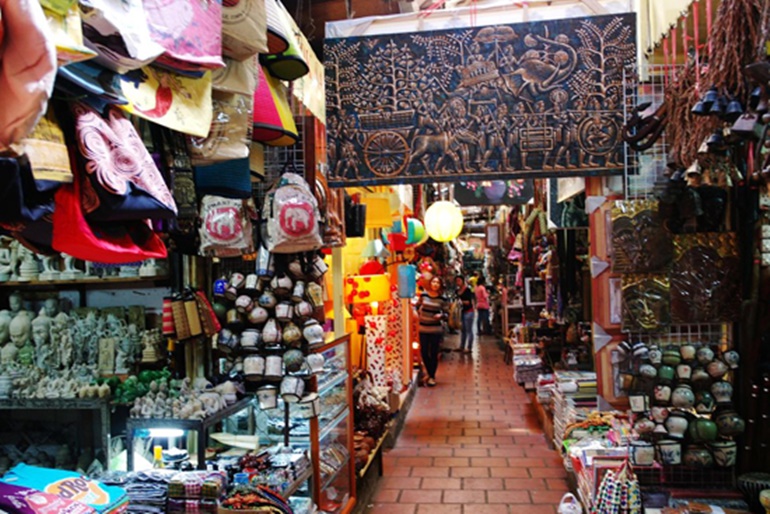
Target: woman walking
467	298
431	310
482	307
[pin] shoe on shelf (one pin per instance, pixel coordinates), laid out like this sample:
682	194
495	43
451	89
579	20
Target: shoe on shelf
431	382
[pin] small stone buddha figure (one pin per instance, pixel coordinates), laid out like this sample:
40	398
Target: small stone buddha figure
51	307
41	333
20	330
9	350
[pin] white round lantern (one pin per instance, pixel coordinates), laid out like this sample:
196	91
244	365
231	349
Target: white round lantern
443	221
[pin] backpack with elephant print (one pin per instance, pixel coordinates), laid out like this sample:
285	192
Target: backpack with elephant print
291	216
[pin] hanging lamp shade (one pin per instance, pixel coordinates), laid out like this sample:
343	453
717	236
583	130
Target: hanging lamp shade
443	221
273	122
367	288
415	231
277	32
377	210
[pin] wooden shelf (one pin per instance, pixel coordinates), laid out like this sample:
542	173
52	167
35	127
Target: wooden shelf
103	283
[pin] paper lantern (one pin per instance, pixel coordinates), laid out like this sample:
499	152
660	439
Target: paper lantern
443	221
367	288
415	231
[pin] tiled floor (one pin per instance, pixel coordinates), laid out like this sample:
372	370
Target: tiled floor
471	445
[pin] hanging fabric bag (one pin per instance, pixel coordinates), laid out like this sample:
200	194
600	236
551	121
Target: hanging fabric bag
291	215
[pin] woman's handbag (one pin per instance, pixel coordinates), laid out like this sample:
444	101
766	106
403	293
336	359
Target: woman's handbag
122	181
456	315
618	492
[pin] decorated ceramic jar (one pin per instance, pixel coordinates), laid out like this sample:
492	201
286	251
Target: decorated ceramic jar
682	396
700	378
642	453
639	402
669	452
722	391
295	269
303	310
268	397
683	372
676	424
698	456
662	394
666	374
227	341
291	333
703	430
725	453
292	389
687	351
704	355
244	303
660	430
704	402
648	371
729	423
273	366
281	284
315	294
298	292
731	358
644	426
284	311
316	362
254	367
655	355
640	351
271	334
293	360
717	368
671	356
313	332
267	299
659	413
250	338
258	315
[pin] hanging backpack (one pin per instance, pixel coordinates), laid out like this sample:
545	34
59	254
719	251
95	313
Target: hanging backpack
291	216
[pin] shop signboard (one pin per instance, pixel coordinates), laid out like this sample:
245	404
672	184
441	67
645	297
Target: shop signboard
537	99
494	192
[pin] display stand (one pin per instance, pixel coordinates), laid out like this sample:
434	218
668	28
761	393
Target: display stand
200	426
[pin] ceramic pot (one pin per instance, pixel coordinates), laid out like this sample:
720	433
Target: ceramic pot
659	413
298	293
725	453
700	378
291	333
293	360
258	315
625	348
254	367
220	310
642	453
666	374
671	356
655	355
227	341
311	403
731	358
313	332
704	355
648	371
660	430
267	299
268	397
627	381
687	351
716	369
639	402
640	351
682	396
281	284
698	456
722	391
251	283
250	338
316	362
315	294
292	389
669	452
318	267
676	424
303	310
662	394
644	426
284	311
295	269
704	402
703	430
684	372
729	423
271	334
234	320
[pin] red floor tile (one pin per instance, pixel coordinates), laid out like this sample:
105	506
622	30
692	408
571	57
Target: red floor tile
471	445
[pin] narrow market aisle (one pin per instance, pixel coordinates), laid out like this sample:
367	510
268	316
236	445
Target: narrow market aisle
471	445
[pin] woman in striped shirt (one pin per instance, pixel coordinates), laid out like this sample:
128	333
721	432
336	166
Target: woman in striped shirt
432	308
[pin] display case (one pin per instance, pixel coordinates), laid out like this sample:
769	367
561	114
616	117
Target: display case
331	431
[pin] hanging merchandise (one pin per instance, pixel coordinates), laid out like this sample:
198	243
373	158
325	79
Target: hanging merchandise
230	179
355	217
237	77
28	69
47	151
619	492
637	227
66	31
443	221
190	32
288	64
129	241
277	33
244	28
169	99
273	122
87	80
118	32
22	198
230	134
122	181
407	281
226	226
291	216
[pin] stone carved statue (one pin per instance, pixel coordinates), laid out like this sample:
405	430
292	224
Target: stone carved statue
41	333
9	350
20	336
61	340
